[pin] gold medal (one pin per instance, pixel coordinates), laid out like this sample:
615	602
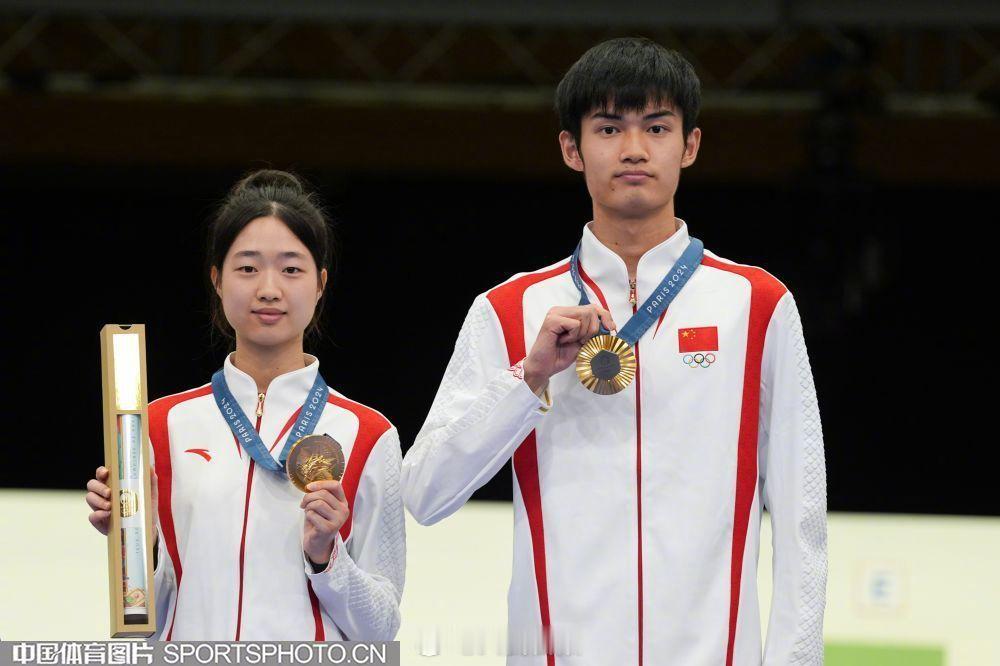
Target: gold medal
314	458
606	364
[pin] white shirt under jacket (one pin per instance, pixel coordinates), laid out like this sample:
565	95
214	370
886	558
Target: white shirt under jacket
230	561
637	515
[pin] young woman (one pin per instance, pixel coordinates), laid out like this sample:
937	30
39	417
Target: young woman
241	553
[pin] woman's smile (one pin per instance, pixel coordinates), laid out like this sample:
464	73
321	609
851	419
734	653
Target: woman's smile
269	315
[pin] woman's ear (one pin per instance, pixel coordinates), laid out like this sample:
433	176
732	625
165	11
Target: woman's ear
323	275
213	275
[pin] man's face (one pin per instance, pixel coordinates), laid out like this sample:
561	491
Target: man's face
631	160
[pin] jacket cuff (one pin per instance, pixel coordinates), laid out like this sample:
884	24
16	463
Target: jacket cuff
313	570
539	402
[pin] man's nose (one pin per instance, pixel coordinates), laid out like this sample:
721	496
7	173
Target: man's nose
634	146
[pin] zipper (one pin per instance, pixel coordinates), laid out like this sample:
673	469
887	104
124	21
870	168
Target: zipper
638	466
246	514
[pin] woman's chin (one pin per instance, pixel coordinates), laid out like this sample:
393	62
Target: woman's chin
268	337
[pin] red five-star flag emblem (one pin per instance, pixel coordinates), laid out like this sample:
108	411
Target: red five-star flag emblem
699	339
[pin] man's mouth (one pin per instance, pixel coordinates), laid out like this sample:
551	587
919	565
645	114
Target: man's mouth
634	176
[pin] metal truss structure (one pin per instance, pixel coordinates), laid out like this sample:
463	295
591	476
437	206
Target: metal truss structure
910	58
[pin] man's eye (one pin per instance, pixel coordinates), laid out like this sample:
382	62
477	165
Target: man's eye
608	131
658	129
293	269
246	269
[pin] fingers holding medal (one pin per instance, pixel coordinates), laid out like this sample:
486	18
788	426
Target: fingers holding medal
584	335
326	505
315	466
564	330
326	510
577	324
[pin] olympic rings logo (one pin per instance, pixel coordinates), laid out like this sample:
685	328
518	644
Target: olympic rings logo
703	360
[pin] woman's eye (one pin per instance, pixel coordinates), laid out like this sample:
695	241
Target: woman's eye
246	269
293	269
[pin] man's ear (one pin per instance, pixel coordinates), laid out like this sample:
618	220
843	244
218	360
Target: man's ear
691	146
213	275
570	151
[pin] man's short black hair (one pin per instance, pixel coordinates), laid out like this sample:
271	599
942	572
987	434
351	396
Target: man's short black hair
626	74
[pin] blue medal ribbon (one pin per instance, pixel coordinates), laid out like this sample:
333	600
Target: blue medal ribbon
247	435
662	296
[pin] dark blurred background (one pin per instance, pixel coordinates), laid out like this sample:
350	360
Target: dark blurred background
850	148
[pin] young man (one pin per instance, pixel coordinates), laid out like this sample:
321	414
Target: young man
637	503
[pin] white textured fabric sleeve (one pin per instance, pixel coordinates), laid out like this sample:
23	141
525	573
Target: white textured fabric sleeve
363	584
482	411
794	490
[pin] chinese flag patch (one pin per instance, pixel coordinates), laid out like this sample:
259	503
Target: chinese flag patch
699	339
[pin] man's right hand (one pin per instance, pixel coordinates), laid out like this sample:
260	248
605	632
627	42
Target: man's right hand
563	333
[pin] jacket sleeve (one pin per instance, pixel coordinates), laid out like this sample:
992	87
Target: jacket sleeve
482	411
362	585
164	578
164	586
793	471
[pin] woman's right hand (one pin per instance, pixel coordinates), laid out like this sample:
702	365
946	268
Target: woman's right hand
99	499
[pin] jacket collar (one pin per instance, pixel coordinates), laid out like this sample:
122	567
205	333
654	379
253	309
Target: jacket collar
285	394
608	270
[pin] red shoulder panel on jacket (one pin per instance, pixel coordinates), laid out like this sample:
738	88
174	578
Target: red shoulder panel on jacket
508	302
766	288
765	292
371	426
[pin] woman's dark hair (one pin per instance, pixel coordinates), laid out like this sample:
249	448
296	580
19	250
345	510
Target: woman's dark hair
626	74
269	193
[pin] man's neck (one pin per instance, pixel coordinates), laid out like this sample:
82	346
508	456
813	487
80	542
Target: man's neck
630	238
263	364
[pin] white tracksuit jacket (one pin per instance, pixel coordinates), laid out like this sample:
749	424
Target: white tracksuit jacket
230	561
636	515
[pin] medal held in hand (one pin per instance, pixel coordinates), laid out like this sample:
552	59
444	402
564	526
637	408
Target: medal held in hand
606	363
314	458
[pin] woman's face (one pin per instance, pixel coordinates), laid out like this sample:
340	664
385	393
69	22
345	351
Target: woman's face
269	284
